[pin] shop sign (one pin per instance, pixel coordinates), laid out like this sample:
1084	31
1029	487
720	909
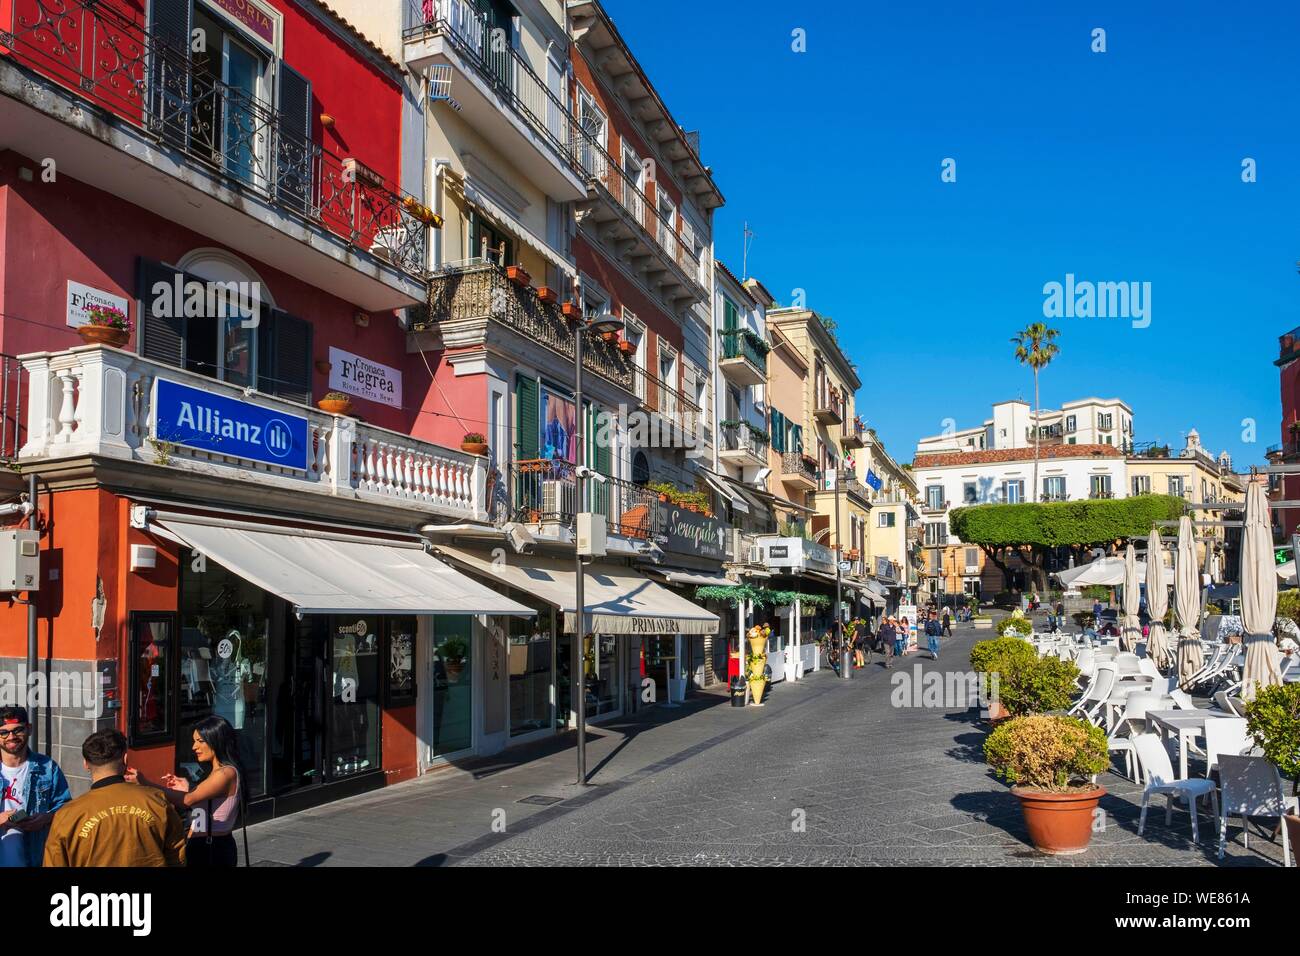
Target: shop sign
227	426
884	568
82	297
251	15
689	532
779	551
363	378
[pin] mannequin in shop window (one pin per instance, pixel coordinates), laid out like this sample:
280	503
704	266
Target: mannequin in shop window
229	674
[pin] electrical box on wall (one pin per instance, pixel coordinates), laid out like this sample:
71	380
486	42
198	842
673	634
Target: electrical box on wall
144	557
20	560
591	535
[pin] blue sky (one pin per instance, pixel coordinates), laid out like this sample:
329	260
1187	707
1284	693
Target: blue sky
1116	166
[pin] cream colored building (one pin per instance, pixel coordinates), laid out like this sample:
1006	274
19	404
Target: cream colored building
894	551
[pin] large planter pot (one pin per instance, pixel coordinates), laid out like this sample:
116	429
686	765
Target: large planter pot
103	335
1059	823
997	712
474	447
334	406
757	689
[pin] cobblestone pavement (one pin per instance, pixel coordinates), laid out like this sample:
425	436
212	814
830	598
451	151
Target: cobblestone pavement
828	773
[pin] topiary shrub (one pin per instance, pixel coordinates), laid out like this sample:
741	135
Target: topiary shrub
994	657
1018	625
1288	605
1037	685
1273	719
1055	754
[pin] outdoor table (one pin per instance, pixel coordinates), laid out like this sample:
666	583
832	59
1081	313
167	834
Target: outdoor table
1187	724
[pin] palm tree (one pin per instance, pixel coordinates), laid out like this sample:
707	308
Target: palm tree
1036	347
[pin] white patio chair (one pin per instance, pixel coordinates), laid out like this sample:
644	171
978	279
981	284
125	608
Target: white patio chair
1224	735
1094	698
1130	723
1148	667
1252	787
1158	772
1222	702
1105	652
1086	662
1182	699
1127	665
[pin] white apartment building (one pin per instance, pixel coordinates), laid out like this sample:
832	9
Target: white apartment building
1085	421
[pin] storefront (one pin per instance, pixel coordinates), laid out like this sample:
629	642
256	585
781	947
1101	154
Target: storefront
316	645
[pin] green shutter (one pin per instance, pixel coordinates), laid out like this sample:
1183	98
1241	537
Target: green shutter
603	458
527	429
796	436
730	315
778	432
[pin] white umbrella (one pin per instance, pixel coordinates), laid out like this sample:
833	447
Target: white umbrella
1108	572
1157	600
1286	572
1132	628
1187	602
1258	595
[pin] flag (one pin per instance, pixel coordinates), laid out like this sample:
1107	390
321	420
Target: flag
873	480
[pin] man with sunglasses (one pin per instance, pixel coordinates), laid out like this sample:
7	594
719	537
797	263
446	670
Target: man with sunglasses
34	787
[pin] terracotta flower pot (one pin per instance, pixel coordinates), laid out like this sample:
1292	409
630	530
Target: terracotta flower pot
474	447
548	295
103	335
518	276
1059	823
454	671
571	311
334	406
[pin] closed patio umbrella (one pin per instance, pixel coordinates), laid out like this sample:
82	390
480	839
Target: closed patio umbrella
1157	600
1187	602
1258	596
1131	630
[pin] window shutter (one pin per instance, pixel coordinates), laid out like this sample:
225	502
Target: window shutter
170	22
603	458
730	317
284	363
778	432
796	438
527	446
162	338
295	151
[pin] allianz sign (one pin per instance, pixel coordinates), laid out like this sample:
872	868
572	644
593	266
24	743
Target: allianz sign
226	426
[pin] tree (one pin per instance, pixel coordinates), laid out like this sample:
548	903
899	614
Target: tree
1036	347
1032	530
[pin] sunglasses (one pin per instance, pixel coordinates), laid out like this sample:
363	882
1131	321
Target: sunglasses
13	732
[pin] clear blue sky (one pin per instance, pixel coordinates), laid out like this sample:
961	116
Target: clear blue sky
1116	166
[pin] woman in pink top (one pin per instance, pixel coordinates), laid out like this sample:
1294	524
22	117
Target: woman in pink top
214	803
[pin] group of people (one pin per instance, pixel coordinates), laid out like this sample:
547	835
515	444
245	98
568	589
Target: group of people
124	819
890	641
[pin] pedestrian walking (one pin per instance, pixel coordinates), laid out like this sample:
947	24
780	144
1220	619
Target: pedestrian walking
947	623
888	641
933	632
115	823
213	806
900	640
34	788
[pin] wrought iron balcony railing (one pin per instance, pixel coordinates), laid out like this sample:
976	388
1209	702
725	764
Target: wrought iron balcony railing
482	290
97	50
798	465
743	438
667	401
545	491
742	343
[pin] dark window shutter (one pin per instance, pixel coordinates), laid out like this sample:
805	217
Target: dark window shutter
602	460
796	438
527	446
284	363
161	336
730	316
778	432
295	151
170	22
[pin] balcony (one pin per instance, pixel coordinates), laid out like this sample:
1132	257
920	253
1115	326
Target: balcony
1100	495
103	402
1050	497
674	418
744	357
933	506
497	92
854	435
743	444
799	470
544	492
130	114
829	410
13	390
464	299
629	222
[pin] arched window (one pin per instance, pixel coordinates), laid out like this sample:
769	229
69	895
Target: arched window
640	468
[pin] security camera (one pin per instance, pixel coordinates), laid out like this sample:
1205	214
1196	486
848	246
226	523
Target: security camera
586	472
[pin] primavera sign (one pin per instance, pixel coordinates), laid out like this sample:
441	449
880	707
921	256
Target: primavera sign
226	426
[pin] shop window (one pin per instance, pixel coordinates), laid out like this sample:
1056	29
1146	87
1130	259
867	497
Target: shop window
354	708
453	728
152	653
401	661
531	649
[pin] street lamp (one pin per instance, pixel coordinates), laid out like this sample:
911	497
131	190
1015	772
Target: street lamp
600	325
845	658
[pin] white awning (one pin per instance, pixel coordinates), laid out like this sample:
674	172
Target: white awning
479	198
618	599
699	580
724	488
321	573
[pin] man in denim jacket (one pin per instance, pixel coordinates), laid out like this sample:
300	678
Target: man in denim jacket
32	783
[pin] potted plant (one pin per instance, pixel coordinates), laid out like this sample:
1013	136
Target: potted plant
1050	762
665	490
453	652
1273	720
518	276
1010	626
105	325
474	443
994	658
548	295
336	403
571	311
626	347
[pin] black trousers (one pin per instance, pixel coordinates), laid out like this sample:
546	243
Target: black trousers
220	852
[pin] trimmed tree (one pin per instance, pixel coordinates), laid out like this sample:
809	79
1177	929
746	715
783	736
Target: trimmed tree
1032	529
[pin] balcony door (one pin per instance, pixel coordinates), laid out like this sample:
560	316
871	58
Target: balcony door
232	122
498	18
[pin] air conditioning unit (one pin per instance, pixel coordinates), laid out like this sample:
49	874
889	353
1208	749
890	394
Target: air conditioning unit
553	499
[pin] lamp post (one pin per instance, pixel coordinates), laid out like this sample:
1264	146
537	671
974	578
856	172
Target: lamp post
578	682
846	660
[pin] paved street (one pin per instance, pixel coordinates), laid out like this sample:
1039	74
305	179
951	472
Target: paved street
714	785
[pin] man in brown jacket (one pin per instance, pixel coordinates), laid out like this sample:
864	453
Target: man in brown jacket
116	823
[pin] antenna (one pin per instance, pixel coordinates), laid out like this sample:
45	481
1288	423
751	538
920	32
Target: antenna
748	237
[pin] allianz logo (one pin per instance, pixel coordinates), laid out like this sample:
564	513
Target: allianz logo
275	436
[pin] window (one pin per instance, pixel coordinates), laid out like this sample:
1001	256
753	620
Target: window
667	224
489	243
1013	491
1071	423
934	497
936	562
969	493
593	123
1107	440
633	183
1099	486
1106	422
1141	484
1054	488
972	557
152	651
887	519
936	532
1177	485
399	686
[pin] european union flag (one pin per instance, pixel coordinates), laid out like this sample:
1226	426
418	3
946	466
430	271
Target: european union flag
874	480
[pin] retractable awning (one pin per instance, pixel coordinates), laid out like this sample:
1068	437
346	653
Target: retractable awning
695	578
618	599
322	573
723	487
478	197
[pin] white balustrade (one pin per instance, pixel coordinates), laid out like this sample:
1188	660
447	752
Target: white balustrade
97	401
